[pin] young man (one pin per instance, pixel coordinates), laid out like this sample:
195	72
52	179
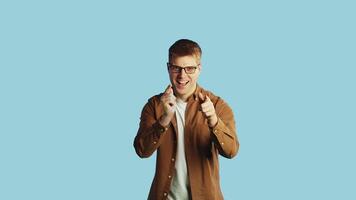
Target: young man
188	126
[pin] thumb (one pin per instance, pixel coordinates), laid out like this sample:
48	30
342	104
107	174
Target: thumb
168	89
201	97
207	98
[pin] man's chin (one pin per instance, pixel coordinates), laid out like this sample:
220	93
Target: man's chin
182	91
179	91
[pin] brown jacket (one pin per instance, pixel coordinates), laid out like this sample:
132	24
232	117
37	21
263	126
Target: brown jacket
202	146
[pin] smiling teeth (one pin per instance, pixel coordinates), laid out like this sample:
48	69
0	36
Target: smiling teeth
182	83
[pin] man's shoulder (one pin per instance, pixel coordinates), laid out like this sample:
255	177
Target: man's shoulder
213	97
216	99
155	98
153	103
221	106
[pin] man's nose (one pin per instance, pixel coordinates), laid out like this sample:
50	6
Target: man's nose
182	72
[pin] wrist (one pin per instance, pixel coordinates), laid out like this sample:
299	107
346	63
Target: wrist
213	121
164	120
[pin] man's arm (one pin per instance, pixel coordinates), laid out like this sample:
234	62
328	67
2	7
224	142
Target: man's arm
222	125
224	132
150	132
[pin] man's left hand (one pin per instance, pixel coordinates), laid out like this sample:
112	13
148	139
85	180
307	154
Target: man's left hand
207	107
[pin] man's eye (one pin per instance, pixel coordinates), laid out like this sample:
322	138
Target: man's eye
189	69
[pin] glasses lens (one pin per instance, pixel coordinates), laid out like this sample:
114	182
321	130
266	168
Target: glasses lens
189	70
175	69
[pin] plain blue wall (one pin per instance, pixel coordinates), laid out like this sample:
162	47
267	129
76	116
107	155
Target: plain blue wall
74	76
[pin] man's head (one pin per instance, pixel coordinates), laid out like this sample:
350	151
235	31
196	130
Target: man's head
185	54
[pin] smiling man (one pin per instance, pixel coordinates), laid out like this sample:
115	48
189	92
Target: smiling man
189	127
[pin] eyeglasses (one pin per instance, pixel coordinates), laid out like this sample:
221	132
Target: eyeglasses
178	69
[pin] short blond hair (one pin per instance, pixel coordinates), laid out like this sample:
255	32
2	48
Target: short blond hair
184	47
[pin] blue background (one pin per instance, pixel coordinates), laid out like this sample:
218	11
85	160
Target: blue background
74	76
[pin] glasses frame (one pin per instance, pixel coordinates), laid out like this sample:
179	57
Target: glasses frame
169	65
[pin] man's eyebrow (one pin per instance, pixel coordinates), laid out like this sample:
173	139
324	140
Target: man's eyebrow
177	66
183	67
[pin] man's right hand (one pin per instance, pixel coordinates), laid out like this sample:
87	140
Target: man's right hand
168	101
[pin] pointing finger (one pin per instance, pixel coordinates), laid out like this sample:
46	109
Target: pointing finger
168	89
207	98
201	97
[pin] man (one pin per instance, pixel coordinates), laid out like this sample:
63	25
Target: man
188	126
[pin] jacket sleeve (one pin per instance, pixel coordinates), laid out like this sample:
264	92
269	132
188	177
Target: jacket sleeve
225	136
150	132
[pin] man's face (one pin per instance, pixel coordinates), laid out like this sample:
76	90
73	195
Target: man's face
184	83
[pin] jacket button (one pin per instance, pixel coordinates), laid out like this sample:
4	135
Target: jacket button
165	194
154	142
172	159
169	176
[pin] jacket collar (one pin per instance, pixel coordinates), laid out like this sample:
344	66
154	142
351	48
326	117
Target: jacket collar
195	95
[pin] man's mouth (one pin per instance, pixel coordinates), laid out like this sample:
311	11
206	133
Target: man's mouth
182	83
